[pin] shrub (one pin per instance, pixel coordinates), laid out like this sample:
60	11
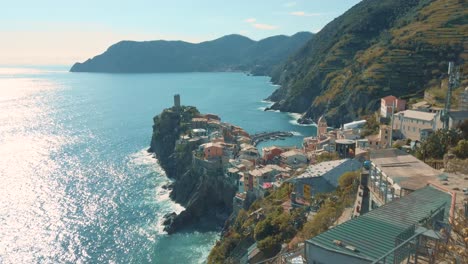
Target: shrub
461	150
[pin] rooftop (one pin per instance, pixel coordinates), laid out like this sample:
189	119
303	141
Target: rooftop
291	153
421	104
345	141
389	98
374	233
403	169
337	166
199	119
458	114
420	115
211	144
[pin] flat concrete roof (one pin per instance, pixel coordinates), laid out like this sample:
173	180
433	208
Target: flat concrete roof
345	141
421	115
403	169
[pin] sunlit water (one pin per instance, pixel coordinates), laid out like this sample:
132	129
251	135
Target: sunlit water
76	182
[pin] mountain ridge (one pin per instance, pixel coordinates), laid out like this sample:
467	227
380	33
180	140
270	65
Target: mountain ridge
376	48
228	53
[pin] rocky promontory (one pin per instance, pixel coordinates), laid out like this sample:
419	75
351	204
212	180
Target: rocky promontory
200	185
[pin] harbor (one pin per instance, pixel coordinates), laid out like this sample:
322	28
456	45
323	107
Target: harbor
264	136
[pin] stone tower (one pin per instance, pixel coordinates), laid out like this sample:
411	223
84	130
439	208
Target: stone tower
177	101
321	127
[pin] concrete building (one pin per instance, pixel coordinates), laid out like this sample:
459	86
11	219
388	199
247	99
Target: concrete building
394	173
212	150
321	127
199	122
345	148
322	177
354	125
269	153
410	123
456	118
294	159
350	133
199	132
382	139
249	152
387	234
463	104
388	103
265	174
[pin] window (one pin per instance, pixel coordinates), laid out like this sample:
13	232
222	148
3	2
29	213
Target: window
414	129
386	137
376	143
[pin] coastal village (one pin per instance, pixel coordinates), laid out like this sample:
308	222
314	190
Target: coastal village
399	200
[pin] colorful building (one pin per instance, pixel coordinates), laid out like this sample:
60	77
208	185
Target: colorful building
212	150
389	103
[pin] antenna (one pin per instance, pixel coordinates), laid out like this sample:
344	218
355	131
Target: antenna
453	82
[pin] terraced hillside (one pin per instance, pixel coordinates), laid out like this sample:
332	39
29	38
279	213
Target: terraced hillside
376	48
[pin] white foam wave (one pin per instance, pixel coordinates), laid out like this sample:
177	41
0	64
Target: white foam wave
267	102
295	117
161	195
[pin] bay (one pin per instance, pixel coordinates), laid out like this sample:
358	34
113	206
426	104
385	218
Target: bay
76	182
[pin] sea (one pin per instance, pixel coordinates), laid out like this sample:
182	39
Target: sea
76	182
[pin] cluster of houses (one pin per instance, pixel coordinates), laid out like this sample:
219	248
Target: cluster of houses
396	123
419	200
402	203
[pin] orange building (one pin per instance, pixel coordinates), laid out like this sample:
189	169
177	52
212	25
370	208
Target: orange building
270	152
212	150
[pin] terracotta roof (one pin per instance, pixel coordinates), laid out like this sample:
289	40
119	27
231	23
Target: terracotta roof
389	98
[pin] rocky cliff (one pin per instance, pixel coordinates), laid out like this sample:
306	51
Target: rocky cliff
205	194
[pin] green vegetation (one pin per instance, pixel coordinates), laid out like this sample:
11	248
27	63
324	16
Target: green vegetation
326	156
271	226
371	127
438	144
333	208
399	47
461	149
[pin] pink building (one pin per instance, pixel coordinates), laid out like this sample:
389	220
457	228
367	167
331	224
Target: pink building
388	102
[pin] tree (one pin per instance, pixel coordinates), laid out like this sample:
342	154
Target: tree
263	229
269	246
456	247
461	150
437	144
463	127
347	179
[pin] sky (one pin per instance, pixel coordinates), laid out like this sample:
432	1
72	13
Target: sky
62	32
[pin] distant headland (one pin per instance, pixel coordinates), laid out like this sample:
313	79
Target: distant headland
228	53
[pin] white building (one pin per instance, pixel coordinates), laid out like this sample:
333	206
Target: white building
410	123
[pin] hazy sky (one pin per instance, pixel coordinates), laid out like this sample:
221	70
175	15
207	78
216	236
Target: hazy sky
62	32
